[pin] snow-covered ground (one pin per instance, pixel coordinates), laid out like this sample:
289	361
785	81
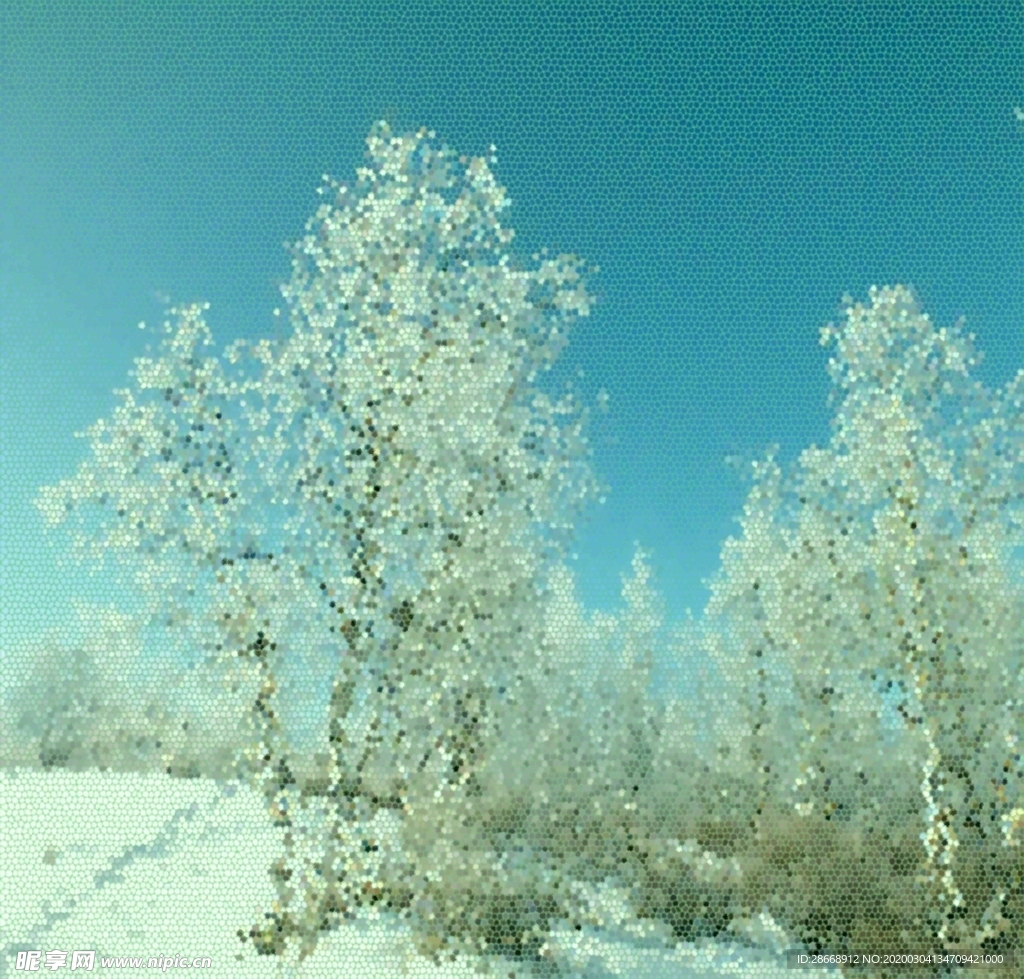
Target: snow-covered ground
147	866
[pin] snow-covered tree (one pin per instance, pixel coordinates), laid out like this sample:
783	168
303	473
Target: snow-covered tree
381	499
871	622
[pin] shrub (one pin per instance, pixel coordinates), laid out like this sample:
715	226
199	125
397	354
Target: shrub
94	704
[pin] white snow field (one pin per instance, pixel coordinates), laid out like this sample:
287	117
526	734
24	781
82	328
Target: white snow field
148	866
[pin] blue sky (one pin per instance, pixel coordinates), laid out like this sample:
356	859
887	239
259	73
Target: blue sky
733	168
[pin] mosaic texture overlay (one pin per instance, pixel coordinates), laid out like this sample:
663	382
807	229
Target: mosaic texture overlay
343	708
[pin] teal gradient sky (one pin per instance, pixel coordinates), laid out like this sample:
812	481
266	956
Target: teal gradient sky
733	168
